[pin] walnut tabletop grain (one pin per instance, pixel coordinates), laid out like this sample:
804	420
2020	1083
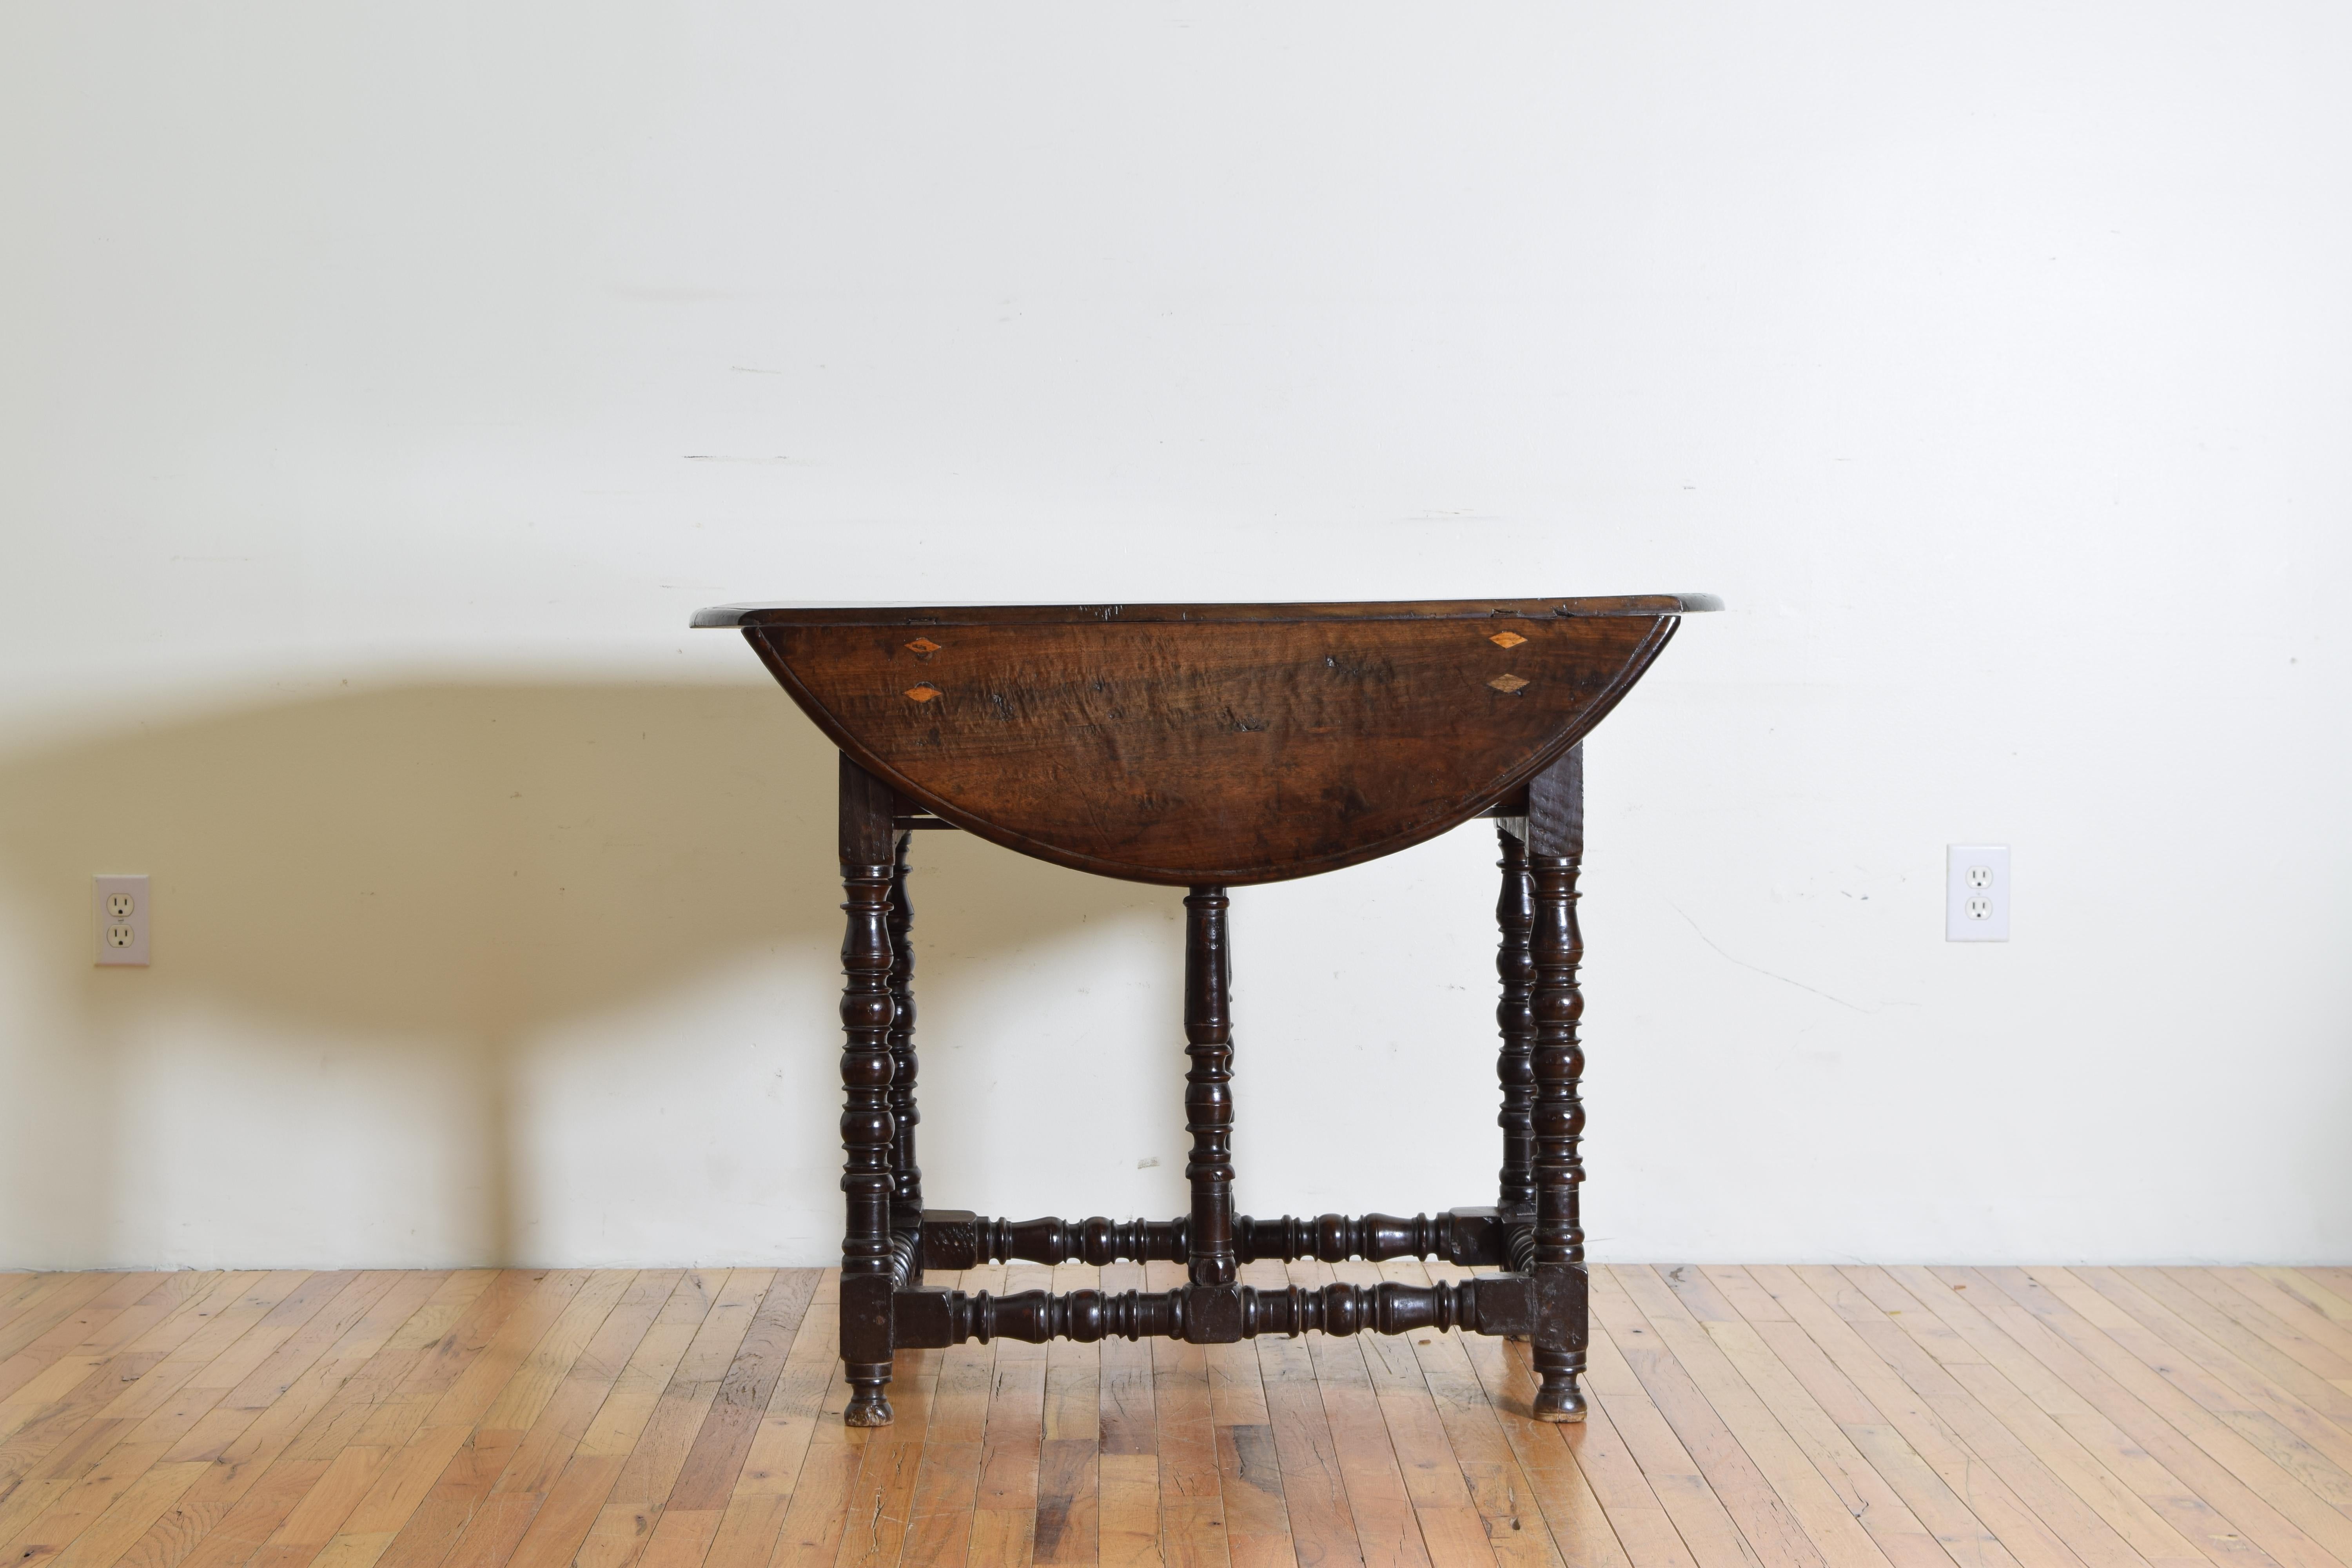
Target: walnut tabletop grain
1226	743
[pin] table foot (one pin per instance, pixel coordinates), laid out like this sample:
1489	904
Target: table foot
1559	1402
866	1405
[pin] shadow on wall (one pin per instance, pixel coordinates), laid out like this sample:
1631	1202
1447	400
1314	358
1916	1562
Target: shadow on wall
446	869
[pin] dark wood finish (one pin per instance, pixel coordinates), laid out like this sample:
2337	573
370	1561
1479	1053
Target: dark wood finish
1555	852
930	1317
1209	1263
915	619
866	1182
906	1193
1515	1019
1206	746
1210	751
1470	1236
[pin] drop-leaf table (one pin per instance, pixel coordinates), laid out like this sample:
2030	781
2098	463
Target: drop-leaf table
1208	747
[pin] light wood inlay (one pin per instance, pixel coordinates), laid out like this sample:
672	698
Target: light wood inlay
1741	1418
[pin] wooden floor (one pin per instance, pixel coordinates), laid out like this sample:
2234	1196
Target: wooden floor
1756	1417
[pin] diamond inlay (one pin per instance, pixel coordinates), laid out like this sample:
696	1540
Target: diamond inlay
922	693
1506	639
922	644
1507	683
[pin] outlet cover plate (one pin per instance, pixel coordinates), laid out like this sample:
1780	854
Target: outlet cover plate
121	905
1975	892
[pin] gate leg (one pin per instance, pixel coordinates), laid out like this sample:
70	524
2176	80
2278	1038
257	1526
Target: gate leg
866	1182
1212	1302
1555	849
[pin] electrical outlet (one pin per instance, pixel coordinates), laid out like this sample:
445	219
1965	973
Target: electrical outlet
122	920
1975	892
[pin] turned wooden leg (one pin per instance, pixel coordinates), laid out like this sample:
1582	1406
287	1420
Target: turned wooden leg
907	1197
867	1181
1555	849
1514	964
1213	1303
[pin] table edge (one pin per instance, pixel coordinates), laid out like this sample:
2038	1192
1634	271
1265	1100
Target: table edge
738	617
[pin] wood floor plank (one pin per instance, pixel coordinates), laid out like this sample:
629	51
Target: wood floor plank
947	1481
2276	1325
2242	1356
628	1406
669	1435
98	1464
357	1399
1461	1470
2203	1374
1765	1522
2306	1286
246	1371
81	1305
1318	1508
773	1466
1387	1527
1005	1512
1126	1476
2271	1300
1255	1515
71	1373
1673	1475
748	1529
819	1511
1069	1528
2034	1425
1887	1420
1578	1528
1956	1301
77	1317
234	1494
881	1505
37	1312
2095	1537
141	1380
555	1434
2094	1349
1902	1532
16	1287
440	1357
1810	1502
1192	1508
252	1514
235	1303
712	1465
1636	1512
517	1404
761	1501
129	1516
1741	1418
492	1491
439	1444
607	1504
568	1510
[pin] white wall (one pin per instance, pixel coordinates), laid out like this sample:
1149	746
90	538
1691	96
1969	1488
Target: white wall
385	386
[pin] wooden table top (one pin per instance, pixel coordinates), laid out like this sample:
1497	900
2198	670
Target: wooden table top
783	612
1198	744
